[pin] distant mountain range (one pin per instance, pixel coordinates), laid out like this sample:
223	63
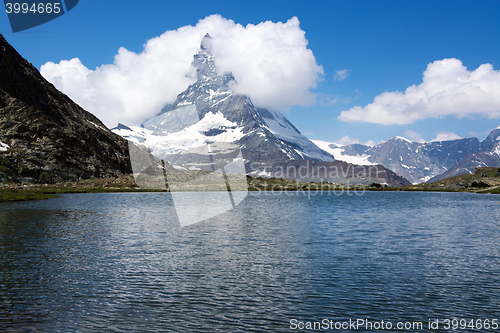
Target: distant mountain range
487	155
208	111
44	136
423	162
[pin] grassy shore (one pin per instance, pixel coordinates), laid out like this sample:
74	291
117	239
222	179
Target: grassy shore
474	183
22	192
484	180
7	194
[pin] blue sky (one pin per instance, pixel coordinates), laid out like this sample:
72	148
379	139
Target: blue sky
382	46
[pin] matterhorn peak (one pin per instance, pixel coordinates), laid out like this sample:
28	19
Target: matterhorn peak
206	43
204	61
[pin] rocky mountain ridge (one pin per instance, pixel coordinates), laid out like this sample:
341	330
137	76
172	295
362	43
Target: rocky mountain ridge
46	137
423	161
487	156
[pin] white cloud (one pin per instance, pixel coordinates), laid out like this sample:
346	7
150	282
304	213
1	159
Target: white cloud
328	100
341	75
270	61
325	99
446	136
346	140
414	136
370	143
448	88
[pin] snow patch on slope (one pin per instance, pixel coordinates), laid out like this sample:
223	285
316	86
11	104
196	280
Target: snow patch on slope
104	129
400	138
496	150
337	152
188	138
423	180
3	146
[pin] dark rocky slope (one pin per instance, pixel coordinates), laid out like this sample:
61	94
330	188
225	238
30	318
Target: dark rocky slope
50	137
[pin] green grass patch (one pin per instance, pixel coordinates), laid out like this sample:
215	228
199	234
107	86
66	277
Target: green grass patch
7	195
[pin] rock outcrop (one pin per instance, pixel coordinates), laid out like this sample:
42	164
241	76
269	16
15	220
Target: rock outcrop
49	137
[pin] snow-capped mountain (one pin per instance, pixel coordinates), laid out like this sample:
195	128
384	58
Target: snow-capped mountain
208	111
417	162
489	155
208	115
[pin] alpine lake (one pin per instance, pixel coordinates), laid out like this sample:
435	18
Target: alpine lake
278	262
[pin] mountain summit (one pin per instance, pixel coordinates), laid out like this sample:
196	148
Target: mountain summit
208	112
204	60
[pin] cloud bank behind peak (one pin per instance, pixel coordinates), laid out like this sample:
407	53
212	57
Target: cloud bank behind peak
270	62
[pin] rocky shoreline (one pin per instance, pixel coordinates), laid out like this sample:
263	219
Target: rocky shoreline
484	180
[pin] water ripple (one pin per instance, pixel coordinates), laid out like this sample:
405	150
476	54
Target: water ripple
121	262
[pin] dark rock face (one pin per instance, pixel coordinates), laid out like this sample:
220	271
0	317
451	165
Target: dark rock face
50	137
355	149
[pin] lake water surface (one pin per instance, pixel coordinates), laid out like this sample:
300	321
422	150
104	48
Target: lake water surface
120	262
